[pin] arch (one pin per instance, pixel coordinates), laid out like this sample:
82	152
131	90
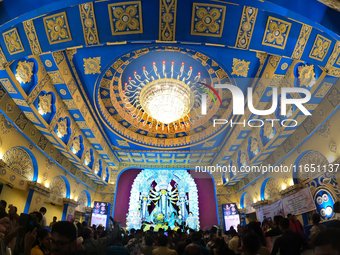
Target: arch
269	188
63	129
60	186
307	158
78	146
267	132
85	198
27	84
88	158
45	105
253	147
242	200
22	161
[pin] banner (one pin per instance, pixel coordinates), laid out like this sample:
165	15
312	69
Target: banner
299	202
269	211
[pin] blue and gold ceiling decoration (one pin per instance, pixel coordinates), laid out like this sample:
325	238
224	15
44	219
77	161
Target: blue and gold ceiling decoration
83	52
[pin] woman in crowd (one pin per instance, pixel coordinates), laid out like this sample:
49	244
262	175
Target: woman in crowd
43	243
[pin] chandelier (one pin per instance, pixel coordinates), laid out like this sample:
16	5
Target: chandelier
164	99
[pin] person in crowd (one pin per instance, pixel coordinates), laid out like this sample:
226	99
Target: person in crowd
3	205
118	248
289	243
170	244
291	223
43	220
252	244
192	249
334	224
336	209
148	247
132	233
43	243
53	222
317	227
213	238
182	243
274	231
220	248
163	249
256	227
327	242
135	244
234	241
196	239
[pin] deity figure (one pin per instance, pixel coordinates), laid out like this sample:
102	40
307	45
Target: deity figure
87	159
191	221
243	159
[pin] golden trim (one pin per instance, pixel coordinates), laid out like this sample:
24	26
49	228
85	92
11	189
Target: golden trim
167	24
266	30
66	24
158	41
190	43
246	19
314	44
19	41
301	41
75	47
140	31
89	28
116	43
212	44
32	37
208	5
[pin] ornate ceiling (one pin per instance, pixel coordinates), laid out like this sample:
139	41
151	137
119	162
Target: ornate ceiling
65	65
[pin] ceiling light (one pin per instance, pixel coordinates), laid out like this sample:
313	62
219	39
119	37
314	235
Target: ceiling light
47	184
331	159
163	99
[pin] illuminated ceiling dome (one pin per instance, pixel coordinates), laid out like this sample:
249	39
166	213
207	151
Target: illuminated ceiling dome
164	97
166	100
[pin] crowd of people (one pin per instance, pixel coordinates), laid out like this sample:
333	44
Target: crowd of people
28	234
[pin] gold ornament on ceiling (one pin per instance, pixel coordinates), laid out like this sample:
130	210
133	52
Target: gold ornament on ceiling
76	145
306	76
92	65
62	128
45	103
240	67
24	71
87	159
254	146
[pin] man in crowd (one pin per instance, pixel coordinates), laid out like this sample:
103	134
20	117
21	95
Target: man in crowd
163	249
135	244
289	243
43	221
327	242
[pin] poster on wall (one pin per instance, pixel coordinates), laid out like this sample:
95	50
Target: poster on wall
268	212
231	216
100	214
299	202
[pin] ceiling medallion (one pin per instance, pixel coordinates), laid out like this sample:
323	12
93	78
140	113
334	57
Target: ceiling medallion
24	71
45	103
307	76
167	100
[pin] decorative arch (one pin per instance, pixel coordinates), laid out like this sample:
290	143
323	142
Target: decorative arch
25	71
63	129
85	199
242	205
307	158
267	132
253	148
270	188
22	161
45	105
88	158
78	146
60	186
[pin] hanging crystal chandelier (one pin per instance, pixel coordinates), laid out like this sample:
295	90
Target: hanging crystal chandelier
163	99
